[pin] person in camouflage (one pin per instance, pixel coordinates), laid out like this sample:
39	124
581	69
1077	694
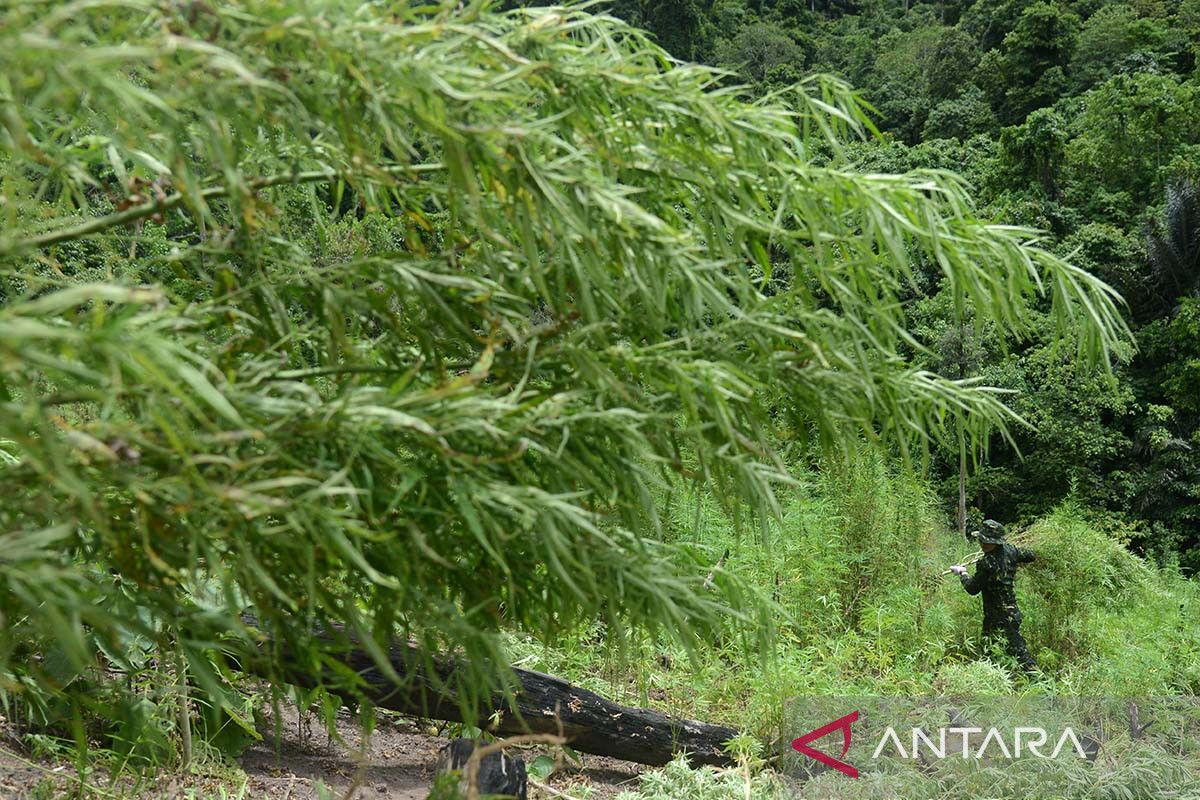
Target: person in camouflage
994	580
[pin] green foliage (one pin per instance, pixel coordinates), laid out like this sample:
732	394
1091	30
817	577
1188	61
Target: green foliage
323	313
257	354
1113	254
541	767
856	567
1033	152
1128	127
1183	371
973	679
990	23
1102	622
902	61
1098	99
759	49
1030	72
961	117
680	25
1164	491
1072	414
1078	570
955	55
678	781
447	786
1173	246
1113	38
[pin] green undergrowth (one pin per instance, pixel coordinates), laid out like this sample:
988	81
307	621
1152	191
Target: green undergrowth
678	780
862	607
854	570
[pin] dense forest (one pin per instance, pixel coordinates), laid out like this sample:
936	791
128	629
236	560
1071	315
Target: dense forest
360	360
1077	118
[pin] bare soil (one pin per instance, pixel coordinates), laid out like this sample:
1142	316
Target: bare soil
396	763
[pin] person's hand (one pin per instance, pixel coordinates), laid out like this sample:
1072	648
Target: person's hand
958	569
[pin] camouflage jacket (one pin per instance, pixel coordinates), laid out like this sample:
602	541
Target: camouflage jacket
993	578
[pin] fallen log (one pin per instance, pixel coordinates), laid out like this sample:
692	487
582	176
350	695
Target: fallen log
539	703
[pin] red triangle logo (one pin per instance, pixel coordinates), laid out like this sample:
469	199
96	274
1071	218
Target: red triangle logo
801	745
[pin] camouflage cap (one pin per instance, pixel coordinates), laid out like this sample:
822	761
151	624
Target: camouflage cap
990	532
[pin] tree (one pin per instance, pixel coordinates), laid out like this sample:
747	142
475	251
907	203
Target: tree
1034	57
1075	438
445	297
1163	475
1173	247
961	118
1112	37
988	23
957	348
679	25
902	94
1114	255
758	49
955	56
1034	152
1128	131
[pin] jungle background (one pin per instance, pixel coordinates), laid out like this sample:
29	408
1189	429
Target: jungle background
1075	118
307	312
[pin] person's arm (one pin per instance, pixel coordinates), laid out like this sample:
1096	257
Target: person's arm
973	584
1025	556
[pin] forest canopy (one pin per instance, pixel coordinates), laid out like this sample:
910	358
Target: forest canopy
1073	116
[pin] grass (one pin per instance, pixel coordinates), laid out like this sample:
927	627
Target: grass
59	774
854	569
855	565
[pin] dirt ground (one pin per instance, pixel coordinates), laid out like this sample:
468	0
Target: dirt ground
16	779
396	764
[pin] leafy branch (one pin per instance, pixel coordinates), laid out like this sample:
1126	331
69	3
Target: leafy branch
12	247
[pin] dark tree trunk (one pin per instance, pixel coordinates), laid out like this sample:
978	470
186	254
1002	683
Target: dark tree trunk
542	704
962	486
